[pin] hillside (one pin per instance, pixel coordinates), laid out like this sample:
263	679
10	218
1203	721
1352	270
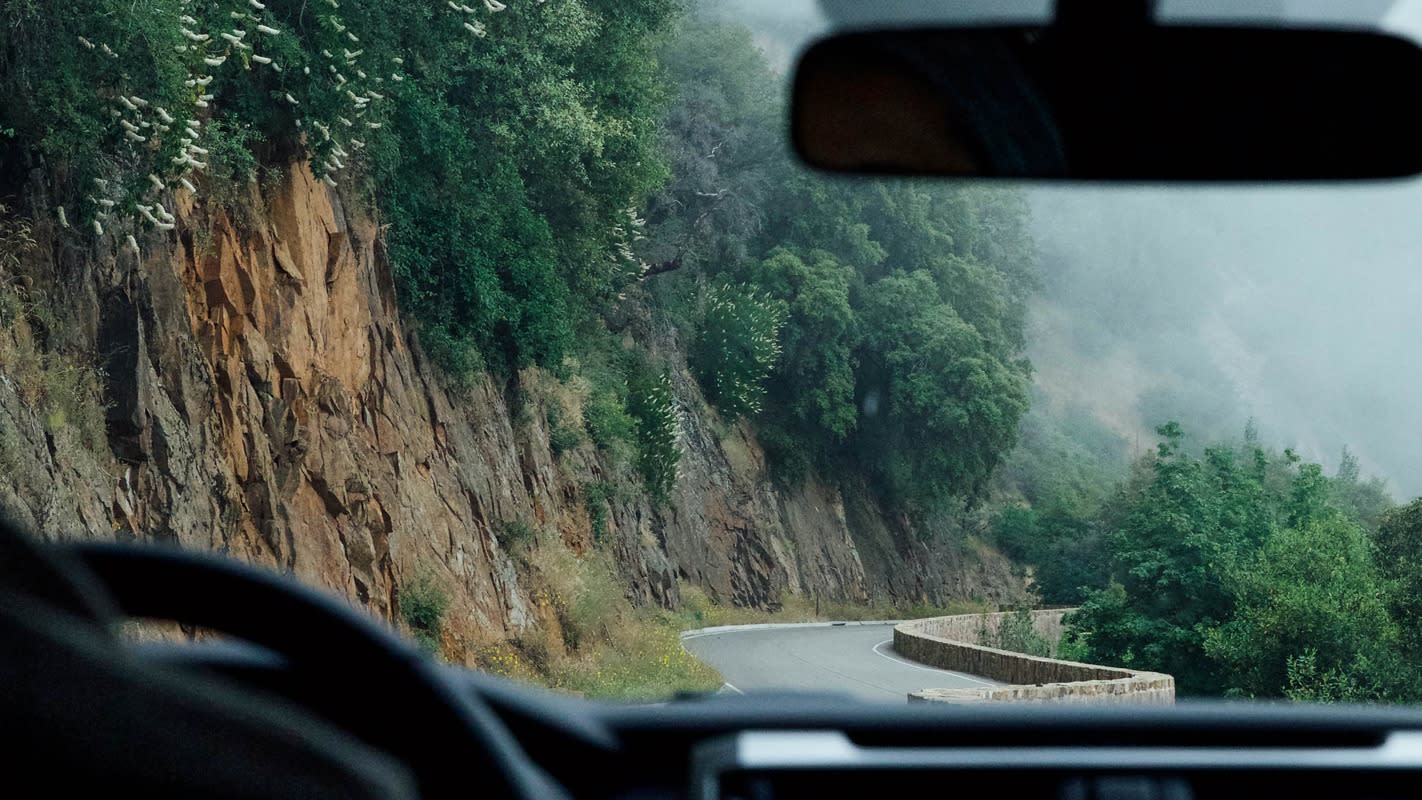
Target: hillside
444	391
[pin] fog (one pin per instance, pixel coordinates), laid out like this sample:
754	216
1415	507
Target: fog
1298	307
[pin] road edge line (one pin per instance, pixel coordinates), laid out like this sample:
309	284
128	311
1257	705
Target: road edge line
926	668
768	626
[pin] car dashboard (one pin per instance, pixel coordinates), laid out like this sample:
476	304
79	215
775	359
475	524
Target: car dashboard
765	746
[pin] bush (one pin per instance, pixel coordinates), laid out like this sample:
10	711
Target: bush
1017	533
422	605
232	164
736	347
596	496
653	405
1015	634
561	436
607	421
515	534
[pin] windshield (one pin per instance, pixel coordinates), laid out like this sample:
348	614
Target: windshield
518	325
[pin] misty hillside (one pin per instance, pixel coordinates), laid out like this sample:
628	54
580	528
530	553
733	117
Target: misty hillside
1292	307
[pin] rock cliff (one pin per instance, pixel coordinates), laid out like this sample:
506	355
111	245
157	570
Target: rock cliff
263	398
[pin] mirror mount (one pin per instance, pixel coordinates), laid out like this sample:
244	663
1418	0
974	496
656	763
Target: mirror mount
1104	14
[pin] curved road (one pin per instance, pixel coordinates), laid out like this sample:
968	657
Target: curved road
854	658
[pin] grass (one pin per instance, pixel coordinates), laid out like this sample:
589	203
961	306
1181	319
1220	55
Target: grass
591	641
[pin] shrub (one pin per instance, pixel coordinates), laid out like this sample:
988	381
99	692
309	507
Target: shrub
736	347
561	436
596	496
1015	634
607	421
653	405
1016	531
422	605
515	534
1308	683
232	164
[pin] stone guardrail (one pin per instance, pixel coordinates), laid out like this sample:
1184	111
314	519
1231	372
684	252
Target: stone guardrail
951	643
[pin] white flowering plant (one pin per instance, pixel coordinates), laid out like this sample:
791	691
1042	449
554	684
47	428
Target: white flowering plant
737	346
506	144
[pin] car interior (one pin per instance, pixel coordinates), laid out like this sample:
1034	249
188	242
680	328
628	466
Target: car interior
271	699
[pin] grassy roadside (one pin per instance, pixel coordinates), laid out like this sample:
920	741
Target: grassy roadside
588	639
591	641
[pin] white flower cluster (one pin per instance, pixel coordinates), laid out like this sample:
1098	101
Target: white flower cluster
623	237
239	38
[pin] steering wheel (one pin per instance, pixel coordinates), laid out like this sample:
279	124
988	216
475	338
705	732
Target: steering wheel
450	740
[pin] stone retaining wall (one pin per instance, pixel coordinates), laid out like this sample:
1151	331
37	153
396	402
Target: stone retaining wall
950	643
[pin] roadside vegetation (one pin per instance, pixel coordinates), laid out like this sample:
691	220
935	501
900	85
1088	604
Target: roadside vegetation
1242	571
542	170
587	639
580	193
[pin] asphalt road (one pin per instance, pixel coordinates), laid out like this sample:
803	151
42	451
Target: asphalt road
858	659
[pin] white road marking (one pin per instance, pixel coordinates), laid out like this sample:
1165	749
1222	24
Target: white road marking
907	663
732	688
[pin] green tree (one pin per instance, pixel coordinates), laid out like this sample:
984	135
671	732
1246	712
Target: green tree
814	382
722	139
947	404
1180	535
1398	543
1236	574
923	395
1311	590
1363	500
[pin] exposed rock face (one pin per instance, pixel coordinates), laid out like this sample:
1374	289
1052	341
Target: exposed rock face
265	400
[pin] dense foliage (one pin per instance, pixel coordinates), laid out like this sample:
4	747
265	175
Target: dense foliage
1239	572
869	327
869	330
902	346
506	145
737	345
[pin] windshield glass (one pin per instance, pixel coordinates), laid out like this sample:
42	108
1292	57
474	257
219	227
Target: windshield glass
518	325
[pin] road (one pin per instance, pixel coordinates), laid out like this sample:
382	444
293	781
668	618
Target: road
858	659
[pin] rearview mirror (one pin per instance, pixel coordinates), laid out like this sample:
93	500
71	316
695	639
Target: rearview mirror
1148	103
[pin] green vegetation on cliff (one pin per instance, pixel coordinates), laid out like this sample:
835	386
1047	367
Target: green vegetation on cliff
512	152
901	354
599	188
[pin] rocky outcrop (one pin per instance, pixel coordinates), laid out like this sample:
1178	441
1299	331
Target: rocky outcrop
265	400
